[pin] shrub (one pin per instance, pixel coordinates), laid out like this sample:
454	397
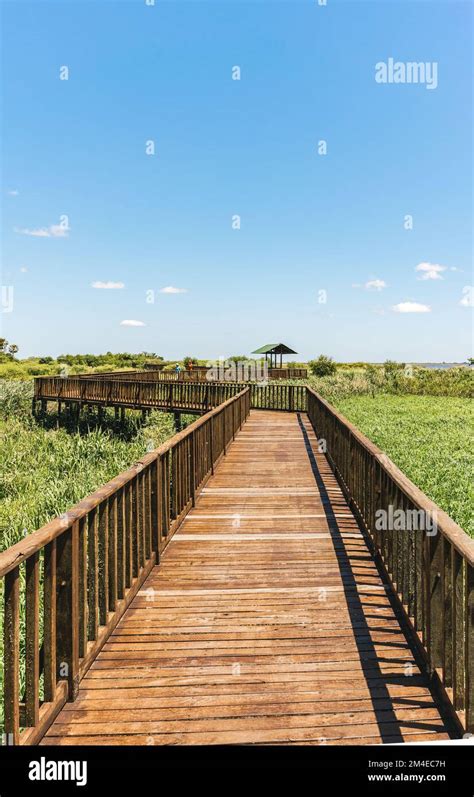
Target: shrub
323	366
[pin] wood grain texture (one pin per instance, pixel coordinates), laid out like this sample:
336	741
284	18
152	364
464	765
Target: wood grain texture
266	622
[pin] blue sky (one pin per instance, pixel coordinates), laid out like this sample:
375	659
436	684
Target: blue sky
308	222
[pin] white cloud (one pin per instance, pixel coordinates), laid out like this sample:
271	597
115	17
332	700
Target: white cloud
107	286
131	323
171	289
53	231
411	307
23	269
375	285
13	193
467	297
430	271
39	233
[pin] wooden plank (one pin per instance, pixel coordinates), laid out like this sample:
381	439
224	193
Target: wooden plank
256	628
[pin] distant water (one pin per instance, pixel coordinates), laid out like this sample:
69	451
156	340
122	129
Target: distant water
439	366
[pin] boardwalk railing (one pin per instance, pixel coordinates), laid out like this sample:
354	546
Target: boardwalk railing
432	570
149	376
188	396
192	396
197	374
76	576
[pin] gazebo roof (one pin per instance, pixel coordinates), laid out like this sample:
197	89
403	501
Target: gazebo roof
274	348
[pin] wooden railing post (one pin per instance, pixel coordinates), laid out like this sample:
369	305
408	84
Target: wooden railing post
103	562
32	641
49	629
192	468
11	639
211	442
435	547
67	617
430	566
469	649
94	554
155	515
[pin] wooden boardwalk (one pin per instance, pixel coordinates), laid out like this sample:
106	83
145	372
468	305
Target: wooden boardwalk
267	620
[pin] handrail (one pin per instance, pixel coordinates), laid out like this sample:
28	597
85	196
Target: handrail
450	529
94	558
192	396
197	374
431	568
180	396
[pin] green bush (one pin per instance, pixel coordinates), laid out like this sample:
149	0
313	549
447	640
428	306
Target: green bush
323	366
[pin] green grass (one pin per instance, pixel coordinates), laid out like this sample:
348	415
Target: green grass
45	470
429	438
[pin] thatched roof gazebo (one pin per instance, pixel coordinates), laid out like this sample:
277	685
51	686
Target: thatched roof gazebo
272	350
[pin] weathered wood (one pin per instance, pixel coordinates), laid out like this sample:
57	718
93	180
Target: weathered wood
49	625
427	565
103	562
101	548
11	642
121	544
458	630
32	640
268	571
448	615
469	649
436	571
19	552
154	510
67	612
113	557
83	603
47	714
267	619
129	521
321	410
93	574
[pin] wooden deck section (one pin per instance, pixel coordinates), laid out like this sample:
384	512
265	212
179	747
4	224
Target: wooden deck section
267	620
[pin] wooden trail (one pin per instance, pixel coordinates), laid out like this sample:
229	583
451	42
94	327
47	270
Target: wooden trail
267	620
